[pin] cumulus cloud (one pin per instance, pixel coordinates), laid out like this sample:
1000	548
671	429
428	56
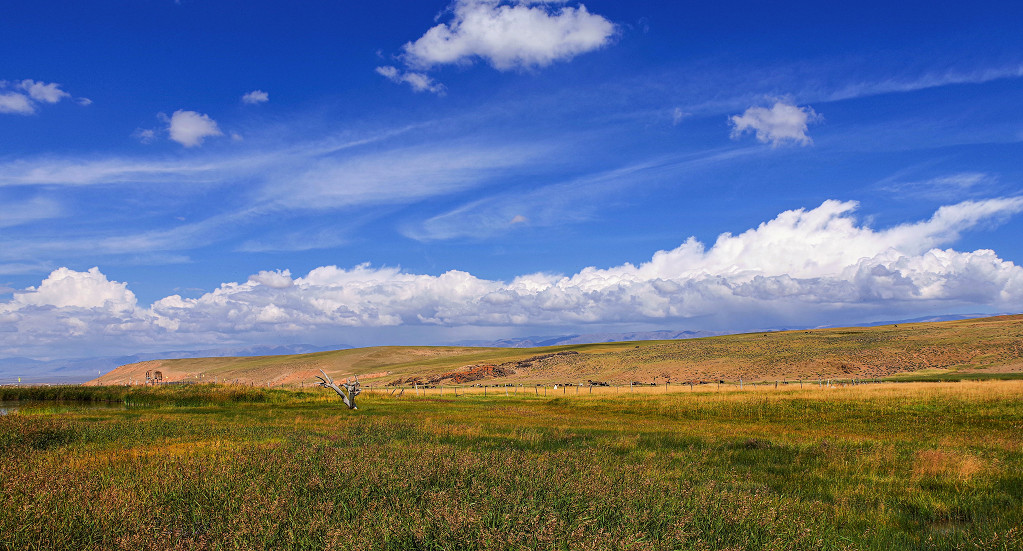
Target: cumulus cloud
513	35
802	266
66	288
781	123
190	129
26	95
256	96
507	34
419	82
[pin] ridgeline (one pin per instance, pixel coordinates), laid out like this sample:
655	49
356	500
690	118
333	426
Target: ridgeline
951	349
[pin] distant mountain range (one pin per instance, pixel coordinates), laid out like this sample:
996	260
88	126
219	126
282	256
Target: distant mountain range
664	334
535	342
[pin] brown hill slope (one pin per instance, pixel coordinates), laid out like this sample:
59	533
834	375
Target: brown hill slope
977	345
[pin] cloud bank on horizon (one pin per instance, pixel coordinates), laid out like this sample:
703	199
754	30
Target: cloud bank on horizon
820	258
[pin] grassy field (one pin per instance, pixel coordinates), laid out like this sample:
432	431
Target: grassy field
955	349
890	466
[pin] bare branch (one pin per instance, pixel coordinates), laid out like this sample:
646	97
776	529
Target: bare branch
352	388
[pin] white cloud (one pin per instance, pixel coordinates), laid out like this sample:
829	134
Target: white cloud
28	94
514	35
189	128
804	266
419	82
66	288
44	93
783	122
13	102
256	96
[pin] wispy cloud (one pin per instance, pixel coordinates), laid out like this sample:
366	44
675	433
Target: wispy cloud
17	212
924	81
256	97
944	188
317	176
562	203
420	82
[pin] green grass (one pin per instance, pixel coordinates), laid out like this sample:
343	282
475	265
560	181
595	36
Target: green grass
180	395
908	466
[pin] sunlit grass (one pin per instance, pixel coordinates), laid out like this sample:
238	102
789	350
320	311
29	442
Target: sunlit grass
895	466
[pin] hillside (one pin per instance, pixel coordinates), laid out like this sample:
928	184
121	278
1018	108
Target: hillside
965	346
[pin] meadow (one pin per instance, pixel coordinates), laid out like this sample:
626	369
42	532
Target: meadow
936	465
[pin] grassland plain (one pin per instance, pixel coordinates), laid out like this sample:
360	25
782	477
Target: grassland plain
960	349
890	466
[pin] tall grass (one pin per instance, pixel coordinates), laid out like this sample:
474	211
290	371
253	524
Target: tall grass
179	395
912	466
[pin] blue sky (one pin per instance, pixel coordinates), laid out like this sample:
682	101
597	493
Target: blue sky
195	173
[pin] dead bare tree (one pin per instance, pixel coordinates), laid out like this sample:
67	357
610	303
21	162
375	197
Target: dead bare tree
352	388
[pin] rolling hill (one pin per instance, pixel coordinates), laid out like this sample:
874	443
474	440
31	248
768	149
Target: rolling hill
981	345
